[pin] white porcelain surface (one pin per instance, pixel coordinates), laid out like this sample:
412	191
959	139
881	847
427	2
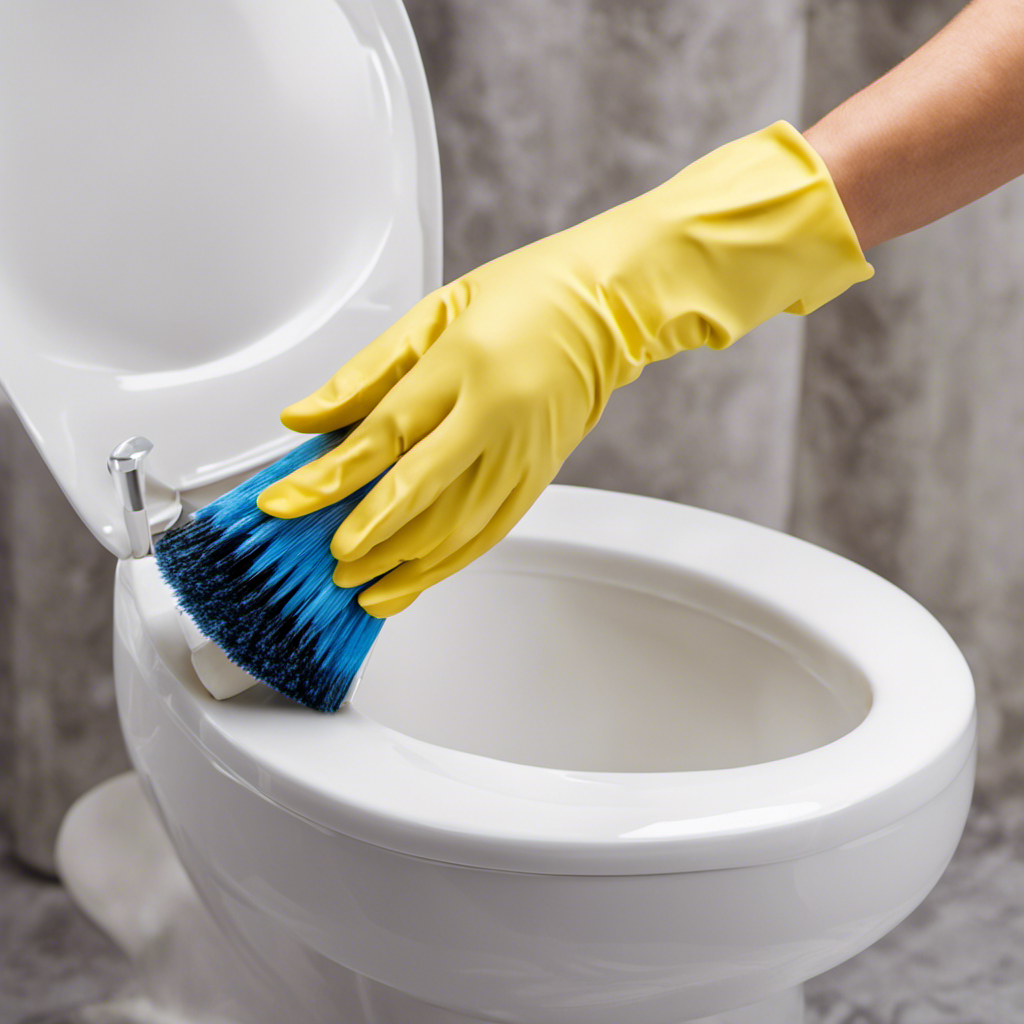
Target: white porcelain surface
116	862
214	669
617	703
315	907
118	865
517	892
206	208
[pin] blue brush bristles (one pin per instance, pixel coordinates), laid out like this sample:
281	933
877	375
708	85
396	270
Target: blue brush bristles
261	587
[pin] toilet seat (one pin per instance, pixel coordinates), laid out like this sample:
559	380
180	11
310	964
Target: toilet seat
351	774
201	227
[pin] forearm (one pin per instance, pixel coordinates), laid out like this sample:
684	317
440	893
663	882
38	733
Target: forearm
940	130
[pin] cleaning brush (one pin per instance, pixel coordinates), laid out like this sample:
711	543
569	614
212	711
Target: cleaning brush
261	588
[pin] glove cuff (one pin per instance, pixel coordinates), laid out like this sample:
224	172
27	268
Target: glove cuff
752	229
843	262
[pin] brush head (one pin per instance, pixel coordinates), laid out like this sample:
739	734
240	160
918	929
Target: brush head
261	588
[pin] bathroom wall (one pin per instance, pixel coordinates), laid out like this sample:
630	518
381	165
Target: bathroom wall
58	724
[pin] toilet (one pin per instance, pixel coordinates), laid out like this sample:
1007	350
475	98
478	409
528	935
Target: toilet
639	763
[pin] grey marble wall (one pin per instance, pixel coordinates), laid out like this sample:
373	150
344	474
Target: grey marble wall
59	733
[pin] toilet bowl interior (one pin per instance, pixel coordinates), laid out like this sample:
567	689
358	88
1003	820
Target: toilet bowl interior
622	685
567	657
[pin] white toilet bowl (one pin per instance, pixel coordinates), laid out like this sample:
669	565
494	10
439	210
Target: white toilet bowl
639	763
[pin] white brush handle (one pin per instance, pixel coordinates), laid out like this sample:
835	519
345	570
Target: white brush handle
221	676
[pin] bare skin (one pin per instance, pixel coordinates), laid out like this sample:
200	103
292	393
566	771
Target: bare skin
943	128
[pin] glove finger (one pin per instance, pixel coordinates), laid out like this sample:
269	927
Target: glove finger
445	526
400	588
417	538
392	607
407	414
370	374
410	486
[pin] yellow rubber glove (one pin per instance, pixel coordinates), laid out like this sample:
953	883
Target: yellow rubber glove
480	392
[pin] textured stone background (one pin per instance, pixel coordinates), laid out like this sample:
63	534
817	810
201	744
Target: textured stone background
890	430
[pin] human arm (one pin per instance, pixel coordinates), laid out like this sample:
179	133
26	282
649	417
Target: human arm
941	129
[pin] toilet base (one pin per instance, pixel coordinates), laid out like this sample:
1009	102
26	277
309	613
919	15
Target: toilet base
395	1008
121	870
785	1008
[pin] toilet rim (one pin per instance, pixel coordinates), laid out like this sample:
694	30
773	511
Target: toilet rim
350	774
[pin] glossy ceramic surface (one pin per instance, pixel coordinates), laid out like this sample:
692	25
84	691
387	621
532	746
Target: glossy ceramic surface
206	208
314	907
116	861
455	886
669	690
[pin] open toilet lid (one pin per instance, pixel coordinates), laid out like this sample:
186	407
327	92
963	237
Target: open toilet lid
206	207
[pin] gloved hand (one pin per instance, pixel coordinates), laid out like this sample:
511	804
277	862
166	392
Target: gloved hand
480	392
